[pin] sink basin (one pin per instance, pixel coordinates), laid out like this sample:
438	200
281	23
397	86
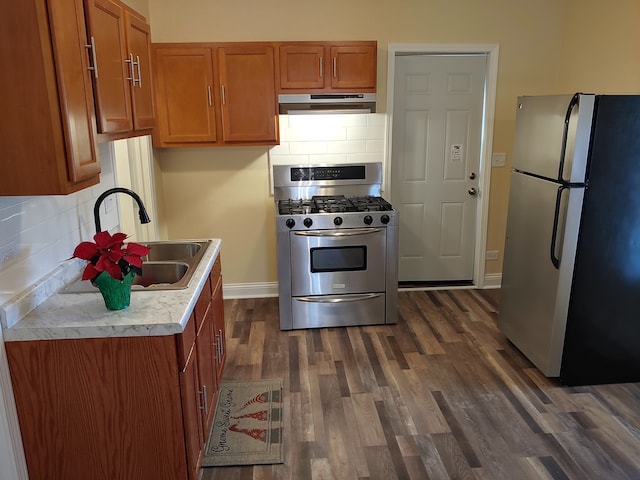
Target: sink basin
161	274
166	251
168	266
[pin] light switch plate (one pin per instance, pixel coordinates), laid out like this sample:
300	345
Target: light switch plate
498	159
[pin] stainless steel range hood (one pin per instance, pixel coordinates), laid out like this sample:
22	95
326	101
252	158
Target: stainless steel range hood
316	103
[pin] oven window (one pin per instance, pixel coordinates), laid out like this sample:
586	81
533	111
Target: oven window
338	259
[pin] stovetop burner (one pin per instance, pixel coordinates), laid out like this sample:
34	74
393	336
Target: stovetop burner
333	204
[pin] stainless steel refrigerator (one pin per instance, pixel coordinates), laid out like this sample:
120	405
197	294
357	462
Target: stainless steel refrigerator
570	298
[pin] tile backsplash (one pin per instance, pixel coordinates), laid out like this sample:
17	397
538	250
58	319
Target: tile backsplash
38	233
344	138
328	138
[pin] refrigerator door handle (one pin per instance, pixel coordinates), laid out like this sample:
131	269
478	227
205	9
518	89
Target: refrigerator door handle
554	232
575	100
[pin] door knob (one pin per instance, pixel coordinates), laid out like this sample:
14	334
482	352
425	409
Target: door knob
472	175
472	191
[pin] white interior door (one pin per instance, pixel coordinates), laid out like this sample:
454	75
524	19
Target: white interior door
436	147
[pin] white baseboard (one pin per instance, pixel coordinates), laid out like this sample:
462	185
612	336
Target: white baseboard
250	290
492	280
270	289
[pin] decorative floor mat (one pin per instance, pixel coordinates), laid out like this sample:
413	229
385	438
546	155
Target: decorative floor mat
247	425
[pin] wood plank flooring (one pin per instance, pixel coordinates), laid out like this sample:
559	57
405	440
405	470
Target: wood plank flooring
440	395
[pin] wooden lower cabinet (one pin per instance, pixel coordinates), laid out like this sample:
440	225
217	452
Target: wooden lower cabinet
206	371
217	311
118	408
192	417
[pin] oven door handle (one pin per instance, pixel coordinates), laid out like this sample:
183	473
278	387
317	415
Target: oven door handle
338	298
352	232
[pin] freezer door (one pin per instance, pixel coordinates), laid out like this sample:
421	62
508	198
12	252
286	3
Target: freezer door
602	342
552	136
535	294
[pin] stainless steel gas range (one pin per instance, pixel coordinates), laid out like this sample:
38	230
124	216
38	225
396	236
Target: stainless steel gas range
337	241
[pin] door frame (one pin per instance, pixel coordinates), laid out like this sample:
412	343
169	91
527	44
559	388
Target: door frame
488	117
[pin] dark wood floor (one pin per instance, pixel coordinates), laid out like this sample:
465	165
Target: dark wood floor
440	395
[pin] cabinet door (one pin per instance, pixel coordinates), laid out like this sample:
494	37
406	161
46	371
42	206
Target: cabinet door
74	83
206	371
192	419
139	43
184	95
217	307
110	408
248	95
353	67
301	66
111	77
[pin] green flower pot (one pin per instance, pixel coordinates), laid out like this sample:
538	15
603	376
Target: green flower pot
116	293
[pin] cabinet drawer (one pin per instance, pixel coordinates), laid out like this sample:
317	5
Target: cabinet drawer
202	304
184	342
216	273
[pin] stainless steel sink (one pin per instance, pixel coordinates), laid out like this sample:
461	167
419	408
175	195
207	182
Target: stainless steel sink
168	266
167	251
161	274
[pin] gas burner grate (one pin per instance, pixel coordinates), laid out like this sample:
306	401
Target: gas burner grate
371	204
333	204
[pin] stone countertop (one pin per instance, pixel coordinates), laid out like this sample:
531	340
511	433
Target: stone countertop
84	315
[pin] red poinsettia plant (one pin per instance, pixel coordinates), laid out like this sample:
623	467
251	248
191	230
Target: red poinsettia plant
110	254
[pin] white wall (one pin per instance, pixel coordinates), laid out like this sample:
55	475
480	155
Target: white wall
39	233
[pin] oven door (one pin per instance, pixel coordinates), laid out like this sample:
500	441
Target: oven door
333	262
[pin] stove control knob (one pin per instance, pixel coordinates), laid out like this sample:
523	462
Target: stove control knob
368	220
337	221
307	222
290	222
384	219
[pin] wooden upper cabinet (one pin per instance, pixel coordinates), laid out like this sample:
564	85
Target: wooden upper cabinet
316	67
110	75
184	96
120	43
233	103
353	67
247	89
302	66
139	42
47	127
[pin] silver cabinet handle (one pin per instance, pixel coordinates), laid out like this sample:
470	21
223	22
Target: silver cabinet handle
210	95
338	298
139	72
321	67
205	403
224	96
217	348
335	67
131	69
94	61
352	232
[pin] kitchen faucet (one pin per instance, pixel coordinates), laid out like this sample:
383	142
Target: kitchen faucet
144	216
